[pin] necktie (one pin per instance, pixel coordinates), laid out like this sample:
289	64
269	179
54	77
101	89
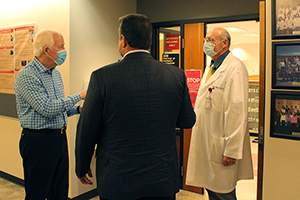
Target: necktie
210	73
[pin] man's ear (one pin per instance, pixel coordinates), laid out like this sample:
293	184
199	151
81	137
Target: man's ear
226	42
124	42
45	50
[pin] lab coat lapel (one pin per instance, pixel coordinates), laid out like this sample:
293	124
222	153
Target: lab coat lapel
217	73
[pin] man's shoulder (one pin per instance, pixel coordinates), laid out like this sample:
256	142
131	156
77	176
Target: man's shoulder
117	66
234	64
234	61
28	70
107	67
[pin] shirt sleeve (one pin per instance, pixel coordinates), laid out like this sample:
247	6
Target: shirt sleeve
33	91
73	111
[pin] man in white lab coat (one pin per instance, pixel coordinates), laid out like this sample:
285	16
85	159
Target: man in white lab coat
220	152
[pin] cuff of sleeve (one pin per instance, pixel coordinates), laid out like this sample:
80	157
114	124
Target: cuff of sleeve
78	109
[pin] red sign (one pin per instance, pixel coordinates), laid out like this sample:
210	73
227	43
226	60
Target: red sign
172	42
193	80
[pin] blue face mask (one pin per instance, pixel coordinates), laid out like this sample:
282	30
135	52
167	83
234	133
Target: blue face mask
61	56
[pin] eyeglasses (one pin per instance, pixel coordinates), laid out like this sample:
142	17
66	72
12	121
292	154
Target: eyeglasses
209	39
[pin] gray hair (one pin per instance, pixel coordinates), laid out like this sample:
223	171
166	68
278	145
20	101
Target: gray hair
44	38
226	35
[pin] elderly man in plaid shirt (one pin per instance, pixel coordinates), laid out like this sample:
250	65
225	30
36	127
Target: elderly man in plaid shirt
43	110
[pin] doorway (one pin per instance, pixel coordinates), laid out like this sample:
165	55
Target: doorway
169	52
246	46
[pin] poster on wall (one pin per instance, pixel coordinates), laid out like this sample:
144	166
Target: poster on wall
285	115
285	18
193	79
286	65
16	51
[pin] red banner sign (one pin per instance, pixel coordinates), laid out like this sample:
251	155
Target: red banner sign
193	80
172	42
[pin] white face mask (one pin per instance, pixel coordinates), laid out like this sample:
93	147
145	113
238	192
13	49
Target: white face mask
208	48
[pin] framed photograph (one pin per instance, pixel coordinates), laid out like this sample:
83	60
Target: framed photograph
286	65
285	19
285	115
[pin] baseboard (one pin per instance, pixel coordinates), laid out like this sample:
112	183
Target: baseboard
88	195
12	178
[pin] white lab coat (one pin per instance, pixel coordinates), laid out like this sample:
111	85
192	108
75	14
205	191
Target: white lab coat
221	129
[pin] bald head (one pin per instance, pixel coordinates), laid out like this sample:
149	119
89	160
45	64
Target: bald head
221	33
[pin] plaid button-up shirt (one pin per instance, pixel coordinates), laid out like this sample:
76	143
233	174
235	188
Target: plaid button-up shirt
41	101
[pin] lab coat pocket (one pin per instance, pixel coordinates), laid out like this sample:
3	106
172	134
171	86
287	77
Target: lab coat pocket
217	148
217	99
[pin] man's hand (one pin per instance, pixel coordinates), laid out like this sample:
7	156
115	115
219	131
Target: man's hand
83	94
80	109
227	161
85	180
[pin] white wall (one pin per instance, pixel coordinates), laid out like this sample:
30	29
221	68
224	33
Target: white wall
281	174
47	14
94	43
249	54
89	28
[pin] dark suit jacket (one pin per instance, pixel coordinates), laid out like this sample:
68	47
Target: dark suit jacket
131	110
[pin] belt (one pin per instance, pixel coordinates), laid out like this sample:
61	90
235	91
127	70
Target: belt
61	130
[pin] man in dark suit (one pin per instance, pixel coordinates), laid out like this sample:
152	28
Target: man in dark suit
131	111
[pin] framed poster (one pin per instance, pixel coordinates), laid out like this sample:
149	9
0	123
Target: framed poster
16	51
286	65
285	115
285	19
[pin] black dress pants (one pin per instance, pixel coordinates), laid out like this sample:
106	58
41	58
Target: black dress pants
221	196
45	163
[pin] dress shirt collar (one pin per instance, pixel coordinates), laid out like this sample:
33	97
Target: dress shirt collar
135	51
219	61
40	67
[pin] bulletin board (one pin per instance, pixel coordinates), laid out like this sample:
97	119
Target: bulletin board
16	51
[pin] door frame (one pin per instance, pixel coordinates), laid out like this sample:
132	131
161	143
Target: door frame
262	75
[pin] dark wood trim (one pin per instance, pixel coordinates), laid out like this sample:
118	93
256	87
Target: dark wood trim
208	20
12	178
262	63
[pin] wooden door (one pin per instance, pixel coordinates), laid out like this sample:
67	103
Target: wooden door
193	59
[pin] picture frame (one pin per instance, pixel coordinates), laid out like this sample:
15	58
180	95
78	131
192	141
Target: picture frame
285	19
285	115
286	65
